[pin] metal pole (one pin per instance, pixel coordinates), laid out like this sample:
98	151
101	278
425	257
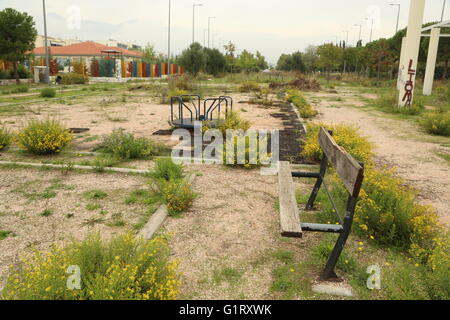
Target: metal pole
209	31
398	18
47	62
443	10
168	56
193	20
371	31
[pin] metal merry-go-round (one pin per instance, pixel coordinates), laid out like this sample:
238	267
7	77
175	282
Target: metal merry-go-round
186	110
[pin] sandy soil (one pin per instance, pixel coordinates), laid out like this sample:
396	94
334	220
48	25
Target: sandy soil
398	144
233	224
21	208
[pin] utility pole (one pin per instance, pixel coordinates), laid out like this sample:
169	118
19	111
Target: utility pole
443	10
168	56
47	62
193	19
398	14
209	30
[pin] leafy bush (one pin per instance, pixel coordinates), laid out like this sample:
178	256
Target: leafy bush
126	146
183	83
437	123
388	102
232	121
166	169
302	105
125	268
5	137
44	137
73	78
176	194
249	86
48	93
246	153
171	184
347	137
20	89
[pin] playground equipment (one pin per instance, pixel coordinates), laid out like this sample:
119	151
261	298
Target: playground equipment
185	110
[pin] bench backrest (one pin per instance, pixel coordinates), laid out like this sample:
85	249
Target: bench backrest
348	169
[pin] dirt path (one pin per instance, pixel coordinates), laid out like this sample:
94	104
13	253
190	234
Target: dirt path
224	242
398	144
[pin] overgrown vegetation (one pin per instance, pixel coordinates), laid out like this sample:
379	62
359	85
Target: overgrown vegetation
5	137
73	78
44	137
170	182
304	108
437	123
126	146
347	137
388	215
126	268
48	93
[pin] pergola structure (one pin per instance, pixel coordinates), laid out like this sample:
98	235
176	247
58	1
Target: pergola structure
410	53
435	34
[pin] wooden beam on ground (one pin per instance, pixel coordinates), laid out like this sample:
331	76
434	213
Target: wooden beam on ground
289	212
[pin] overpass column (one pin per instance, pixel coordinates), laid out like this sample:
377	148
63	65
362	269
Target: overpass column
408	64
431	61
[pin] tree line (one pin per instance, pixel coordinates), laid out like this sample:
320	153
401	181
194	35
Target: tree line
379	58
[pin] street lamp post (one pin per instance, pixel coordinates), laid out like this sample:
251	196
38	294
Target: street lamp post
47	62
443	11
371	29
209	30
168	55
398	15
204	37
193	19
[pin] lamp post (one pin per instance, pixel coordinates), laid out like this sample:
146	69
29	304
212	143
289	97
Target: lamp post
168	55
398	14
47	62
209	30
193	19
371	29
204	37
443	11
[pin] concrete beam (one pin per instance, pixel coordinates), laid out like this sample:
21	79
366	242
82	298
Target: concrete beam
431	61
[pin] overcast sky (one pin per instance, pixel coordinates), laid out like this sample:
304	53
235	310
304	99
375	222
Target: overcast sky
272	27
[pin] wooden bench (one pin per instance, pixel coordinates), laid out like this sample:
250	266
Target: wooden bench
352	175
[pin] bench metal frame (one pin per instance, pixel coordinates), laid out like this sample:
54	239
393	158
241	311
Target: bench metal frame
351	173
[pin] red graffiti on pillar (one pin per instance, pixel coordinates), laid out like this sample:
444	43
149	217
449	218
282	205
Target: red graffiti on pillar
409	85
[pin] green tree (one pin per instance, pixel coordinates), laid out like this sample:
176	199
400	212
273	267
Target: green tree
215	62
246	62
230	49
291	62
330	57
310	58
17	37
261	62
149	54
193	59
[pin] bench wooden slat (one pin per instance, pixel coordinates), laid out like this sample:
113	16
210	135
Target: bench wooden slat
289	212
350	171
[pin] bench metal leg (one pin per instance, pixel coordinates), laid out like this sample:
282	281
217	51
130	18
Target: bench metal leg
329	273
318	185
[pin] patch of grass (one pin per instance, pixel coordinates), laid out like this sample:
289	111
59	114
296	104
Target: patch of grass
95	194
48	93
93	206
126	146
5	234
227	274
445	156
284	256
5	137
47	212
166	169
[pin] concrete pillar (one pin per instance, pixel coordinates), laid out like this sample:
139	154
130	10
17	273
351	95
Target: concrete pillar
431	61
402	53
408	66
